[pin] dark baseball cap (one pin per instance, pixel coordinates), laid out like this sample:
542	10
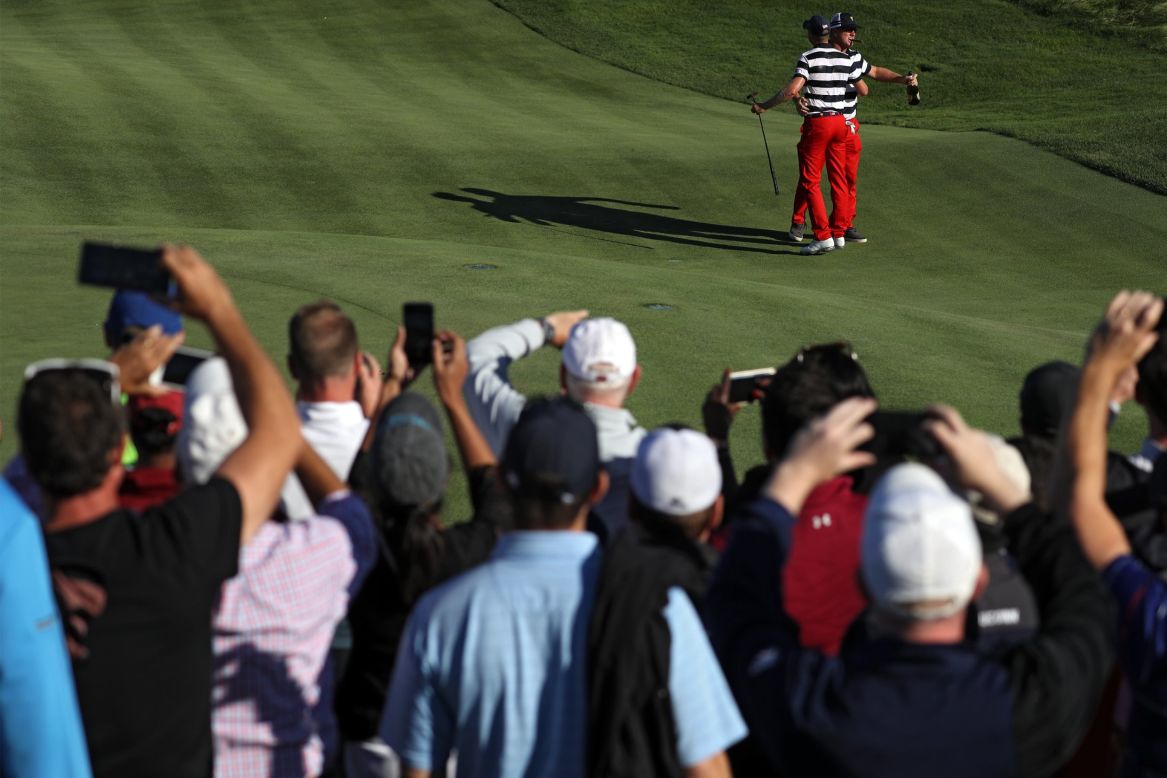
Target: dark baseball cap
843	21
409	461
1047	397
552	452
135	309
816	25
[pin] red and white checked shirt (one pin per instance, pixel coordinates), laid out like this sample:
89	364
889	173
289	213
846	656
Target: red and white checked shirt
273	628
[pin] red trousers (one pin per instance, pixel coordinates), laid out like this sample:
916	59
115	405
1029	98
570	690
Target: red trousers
854	146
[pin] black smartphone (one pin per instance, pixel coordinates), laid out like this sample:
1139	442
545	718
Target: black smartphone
419	333
743	382
182	364
901	434
103	264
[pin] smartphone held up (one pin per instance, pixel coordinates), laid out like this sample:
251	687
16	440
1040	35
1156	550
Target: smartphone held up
418	319
119	267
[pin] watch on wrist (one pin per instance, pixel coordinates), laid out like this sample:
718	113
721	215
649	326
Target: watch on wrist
548	330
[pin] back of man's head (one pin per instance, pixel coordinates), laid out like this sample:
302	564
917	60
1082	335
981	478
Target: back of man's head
920	554
322	343
1151	389
70	431
154	423
817	379
816	29
676	481
599	360
551	463
1047	398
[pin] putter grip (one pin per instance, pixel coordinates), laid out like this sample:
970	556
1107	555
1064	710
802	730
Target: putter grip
913	93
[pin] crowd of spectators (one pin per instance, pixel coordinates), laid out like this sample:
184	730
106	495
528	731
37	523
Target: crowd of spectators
227	578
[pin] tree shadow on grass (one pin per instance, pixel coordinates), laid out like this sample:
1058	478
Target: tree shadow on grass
601	215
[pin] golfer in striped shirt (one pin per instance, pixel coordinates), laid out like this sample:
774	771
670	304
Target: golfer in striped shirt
829	74
842	30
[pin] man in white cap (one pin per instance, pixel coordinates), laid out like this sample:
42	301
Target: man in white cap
676	485
914	697
639	650
599	370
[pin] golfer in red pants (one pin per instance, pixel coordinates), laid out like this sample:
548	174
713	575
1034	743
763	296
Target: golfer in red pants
825	72
824	142
817	33
832	75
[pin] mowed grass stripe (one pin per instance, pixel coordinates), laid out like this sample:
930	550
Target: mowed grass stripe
986	255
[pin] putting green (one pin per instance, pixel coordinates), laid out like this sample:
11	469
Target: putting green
374	152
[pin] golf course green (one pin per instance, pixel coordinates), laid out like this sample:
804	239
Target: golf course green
381	152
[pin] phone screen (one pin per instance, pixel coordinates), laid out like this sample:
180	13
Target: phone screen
743	383
182	364
106	265
419	332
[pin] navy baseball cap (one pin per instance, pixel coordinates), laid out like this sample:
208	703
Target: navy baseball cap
552	452
843	21
135	309
816	25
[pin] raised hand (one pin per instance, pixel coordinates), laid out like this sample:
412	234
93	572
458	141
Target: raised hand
138	359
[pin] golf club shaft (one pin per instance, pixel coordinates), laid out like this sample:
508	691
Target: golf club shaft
769	161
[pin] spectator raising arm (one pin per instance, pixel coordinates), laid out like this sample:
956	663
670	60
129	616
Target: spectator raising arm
823	449
450	371
257	468
1126	333
398	375
138	359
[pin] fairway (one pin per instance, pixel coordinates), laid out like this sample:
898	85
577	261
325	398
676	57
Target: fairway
379	152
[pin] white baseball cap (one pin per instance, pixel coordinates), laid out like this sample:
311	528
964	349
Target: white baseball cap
919	545
214	425
676	472
600	351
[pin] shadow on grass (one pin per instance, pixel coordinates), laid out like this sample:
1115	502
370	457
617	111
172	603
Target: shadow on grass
604	215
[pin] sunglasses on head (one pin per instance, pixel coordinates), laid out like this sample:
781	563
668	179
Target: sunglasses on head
824	349
104	374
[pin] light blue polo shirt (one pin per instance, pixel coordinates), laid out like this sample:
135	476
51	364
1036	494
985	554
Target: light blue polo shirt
40	723
492	666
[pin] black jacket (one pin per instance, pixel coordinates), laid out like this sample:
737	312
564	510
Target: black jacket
631	731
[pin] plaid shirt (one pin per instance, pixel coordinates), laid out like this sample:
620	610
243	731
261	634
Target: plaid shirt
273	627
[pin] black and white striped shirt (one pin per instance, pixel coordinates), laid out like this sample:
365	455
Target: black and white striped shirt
830	79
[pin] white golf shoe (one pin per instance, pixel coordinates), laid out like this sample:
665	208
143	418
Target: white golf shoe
818	247
840	243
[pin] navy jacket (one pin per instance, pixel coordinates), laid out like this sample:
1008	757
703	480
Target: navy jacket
889	708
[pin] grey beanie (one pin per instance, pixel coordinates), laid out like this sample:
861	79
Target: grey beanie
409	461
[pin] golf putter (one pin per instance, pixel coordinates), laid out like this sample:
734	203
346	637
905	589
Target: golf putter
773	176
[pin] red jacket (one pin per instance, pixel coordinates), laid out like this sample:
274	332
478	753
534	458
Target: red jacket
820	583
